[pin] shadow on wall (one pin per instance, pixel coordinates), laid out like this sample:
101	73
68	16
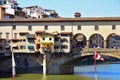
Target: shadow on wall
24	64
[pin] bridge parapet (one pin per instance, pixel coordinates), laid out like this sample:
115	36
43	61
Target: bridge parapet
86	50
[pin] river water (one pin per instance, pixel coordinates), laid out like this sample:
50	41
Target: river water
104	71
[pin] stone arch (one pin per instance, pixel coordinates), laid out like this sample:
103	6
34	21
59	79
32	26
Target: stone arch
96	40
113	41
79	40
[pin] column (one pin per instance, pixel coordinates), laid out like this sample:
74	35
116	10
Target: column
105	44
44	64
87	44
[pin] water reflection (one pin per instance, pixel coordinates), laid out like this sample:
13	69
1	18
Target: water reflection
104	72
44	77
63	77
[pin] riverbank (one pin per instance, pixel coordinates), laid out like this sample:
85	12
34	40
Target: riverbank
48	77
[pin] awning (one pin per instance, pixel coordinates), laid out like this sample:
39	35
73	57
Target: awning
30	36
30	47
47	43
14	45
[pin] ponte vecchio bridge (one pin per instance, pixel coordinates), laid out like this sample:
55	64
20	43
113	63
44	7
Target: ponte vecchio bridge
67	40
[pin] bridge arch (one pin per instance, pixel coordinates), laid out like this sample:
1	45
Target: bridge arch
96	40
79	40
90	55
113	41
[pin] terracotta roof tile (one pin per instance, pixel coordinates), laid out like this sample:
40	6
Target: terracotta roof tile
81	19
40	31
65	33
14	39
23	32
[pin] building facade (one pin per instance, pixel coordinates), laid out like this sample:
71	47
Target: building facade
61	35
38	12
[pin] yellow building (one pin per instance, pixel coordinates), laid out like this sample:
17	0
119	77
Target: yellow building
2	12
47	42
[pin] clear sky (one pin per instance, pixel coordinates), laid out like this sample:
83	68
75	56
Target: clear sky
87	8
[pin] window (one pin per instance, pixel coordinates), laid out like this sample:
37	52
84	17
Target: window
1	3
20	40
57	39
43	38
30	27
31	41
14	27
79	27
62	27
1	47
50	39
24	40
0	35
4	1
46	27
113	27
64	46
56	46
15	35
96	27
7	17
7	35
22	47
38	16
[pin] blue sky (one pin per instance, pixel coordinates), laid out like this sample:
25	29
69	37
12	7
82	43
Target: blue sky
87	8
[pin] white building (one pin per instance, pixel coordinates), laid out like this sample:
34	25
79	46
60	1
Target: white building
38	12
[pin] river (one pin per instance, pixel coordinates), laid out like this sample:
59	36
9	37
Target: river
104	71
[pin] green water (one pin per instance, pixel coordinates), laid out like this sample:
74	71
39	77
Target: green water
48	77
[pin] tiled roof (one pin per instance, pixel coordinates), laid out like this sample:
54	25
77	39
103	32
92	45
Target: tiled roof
65	33
30	36
23	32
81	19
14	39
40	31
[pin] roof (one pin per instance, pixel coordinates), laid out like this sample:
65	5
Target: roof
80	19
66	33
40	31
30	36
23	32
14	39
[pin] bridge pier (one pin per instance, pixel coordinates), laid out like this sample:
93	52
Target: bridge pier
67	69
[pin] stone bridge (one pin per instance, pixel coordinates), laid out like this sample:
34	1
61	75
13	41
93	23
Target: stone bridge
59	63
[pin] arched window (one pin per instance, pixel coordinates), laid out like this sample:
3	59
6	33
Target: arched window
96	41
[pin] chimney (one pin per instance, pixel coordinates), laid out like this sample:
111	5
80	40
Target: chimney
77	15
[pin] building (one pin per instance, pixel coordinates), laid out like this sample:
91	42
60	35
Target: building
61	34
2	11
11	10
4	47
38	12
